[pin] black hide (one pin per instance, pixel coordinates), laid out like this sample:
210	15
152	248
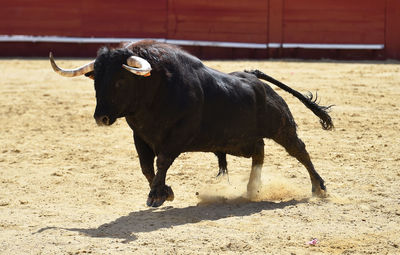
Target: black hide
186	106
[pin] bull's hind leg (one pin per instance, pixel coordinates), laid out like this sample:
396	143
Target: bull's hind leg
253	186
222	164
296	148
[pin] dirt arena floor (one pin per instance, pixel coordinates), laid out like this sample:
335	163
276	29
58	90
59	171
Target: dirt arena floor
68	186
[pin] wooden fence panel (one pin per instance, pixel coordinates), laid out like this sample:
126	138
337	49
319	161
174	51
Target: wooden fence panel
218	20
119	18
393	29
47	17
85	18
273	23
334	21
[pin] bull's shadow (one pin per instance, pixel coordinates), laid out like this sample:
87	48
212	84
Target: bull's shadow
153	219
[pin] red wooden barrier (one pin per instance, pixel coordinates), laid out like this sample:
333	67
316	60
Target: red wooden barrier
119	18
267	28
24	17
334	21
275	21
84	18
393	29
218	20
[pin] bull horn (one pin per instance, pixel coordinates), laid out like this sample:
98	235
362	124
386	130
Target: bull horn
71	72
138	66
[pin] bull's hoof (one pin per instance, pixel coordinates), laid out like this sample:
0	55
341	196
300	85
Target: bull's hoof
158	196
319	191
222	172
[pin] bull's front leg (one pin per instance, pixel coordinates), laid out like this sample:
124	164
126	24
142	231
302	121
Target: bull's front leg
159	191
146	158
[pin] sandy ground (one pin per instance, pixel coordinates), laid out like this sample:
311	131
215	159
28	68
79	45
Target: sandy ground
70	187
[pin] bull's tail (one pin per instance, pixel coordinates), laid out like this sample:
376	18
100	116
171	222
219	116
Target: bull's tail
308	100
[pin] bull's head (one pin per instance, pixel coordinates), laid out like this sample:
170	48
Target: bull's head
113	84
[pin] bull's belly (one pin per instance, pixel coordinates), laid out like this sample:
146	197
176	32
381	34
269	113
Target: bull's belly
243	147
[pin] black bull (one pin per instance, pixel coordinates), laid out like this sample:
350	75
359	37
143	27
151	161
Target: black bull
174	104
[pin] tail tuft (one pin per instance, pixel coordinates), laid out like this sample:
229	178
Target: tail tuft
308	100
321	111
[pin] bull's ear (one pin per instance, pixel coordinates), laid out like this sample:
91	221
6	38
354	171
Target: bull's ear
90	75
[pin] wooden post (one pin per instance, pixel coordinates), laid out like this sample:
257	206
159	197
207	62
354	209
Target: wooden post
275	28
392	31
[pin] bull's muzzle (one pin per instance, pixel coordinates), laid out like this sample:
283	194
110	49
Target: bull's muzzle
103	120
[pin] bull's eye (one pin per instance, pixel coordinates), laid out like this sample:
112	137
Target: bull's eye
118	84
